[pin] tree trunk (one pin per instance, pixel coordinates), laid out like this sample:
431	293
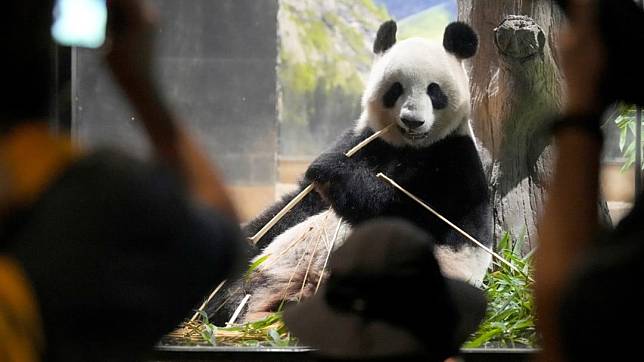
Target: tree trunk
516	87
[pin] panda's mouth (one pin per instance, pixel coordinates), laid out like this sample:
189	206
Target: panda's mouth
413	136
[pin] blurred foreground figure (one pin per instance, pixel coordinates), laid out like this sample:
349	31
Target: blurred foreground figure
99	254
386	299
587	290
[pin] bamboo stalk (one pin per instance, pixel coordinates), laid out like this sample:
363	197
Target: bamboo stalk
335	236
273	259
230	296
368	140
296	200
308	268
192	332
203	305
239	309
324	233
290	280
468	236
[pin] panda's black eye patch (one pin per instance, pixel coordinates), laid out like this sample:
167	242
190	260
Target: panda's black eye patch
435	93
391	96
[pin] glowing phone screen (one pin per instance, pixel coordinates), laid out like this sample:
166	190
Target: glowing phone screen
80	23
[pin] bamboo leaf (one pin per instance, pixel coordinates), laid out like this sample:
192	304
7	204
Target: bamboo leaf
518	245
622	139
509	319
255	265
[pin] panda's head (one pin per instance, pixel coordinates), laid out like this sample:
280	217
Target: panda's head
419	86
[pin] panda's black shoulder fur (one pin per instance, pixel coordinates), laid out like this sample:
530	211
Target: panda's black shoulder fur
448	175
311	205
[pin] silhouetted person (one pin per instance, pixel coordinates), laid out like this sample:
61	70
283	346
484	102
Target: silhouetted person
587	284
99	254
387	300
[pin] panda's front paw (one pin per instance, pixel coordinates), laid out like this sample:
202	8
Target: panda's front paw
317	174
323	190
337	194
323	170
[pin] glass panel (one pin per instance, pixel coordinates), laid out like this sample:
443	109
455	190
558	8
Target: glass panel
324	60
270	85
220	77
618	165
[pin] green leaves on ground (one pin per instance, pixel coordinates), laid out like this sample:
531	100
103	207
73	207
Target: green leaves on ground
509	321
267	332
626	121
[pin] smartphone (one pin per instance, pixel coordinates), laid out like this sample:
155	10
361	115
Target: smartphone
80	23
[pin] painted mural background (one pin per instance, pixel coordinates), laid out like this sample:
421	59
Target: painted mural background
325	57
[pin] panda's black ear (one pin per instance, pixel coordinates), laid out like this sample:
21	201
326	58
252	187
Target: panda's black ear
386	37
461	40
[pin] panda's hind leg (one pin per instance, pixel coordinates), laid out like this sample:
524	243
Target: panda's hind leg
222	306
294	264
468	263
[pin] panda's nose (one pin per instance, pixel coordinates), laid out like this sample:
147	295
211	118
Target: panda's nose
410	122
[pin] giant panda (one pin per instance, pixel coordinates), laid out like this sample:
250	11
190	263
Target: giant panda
421	88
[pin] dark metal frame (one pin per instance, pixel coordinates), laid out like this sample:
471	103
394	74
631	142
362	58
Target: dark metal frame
638	151
638	142
62	122
61	96
304	354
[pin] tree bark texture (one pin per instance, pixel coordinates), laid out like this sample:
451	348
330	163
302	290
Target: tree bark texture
516	87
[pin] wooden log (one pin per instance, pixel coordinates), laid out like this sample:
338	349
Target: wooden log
516	87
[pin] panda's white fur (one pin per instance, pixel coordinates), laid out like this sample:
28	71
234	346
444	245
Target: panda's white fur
294	259
468	264
416	62
295	262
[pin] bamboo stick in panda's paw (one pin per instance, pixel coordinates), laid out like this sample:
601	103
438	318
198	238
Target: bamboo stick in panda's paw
296	200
